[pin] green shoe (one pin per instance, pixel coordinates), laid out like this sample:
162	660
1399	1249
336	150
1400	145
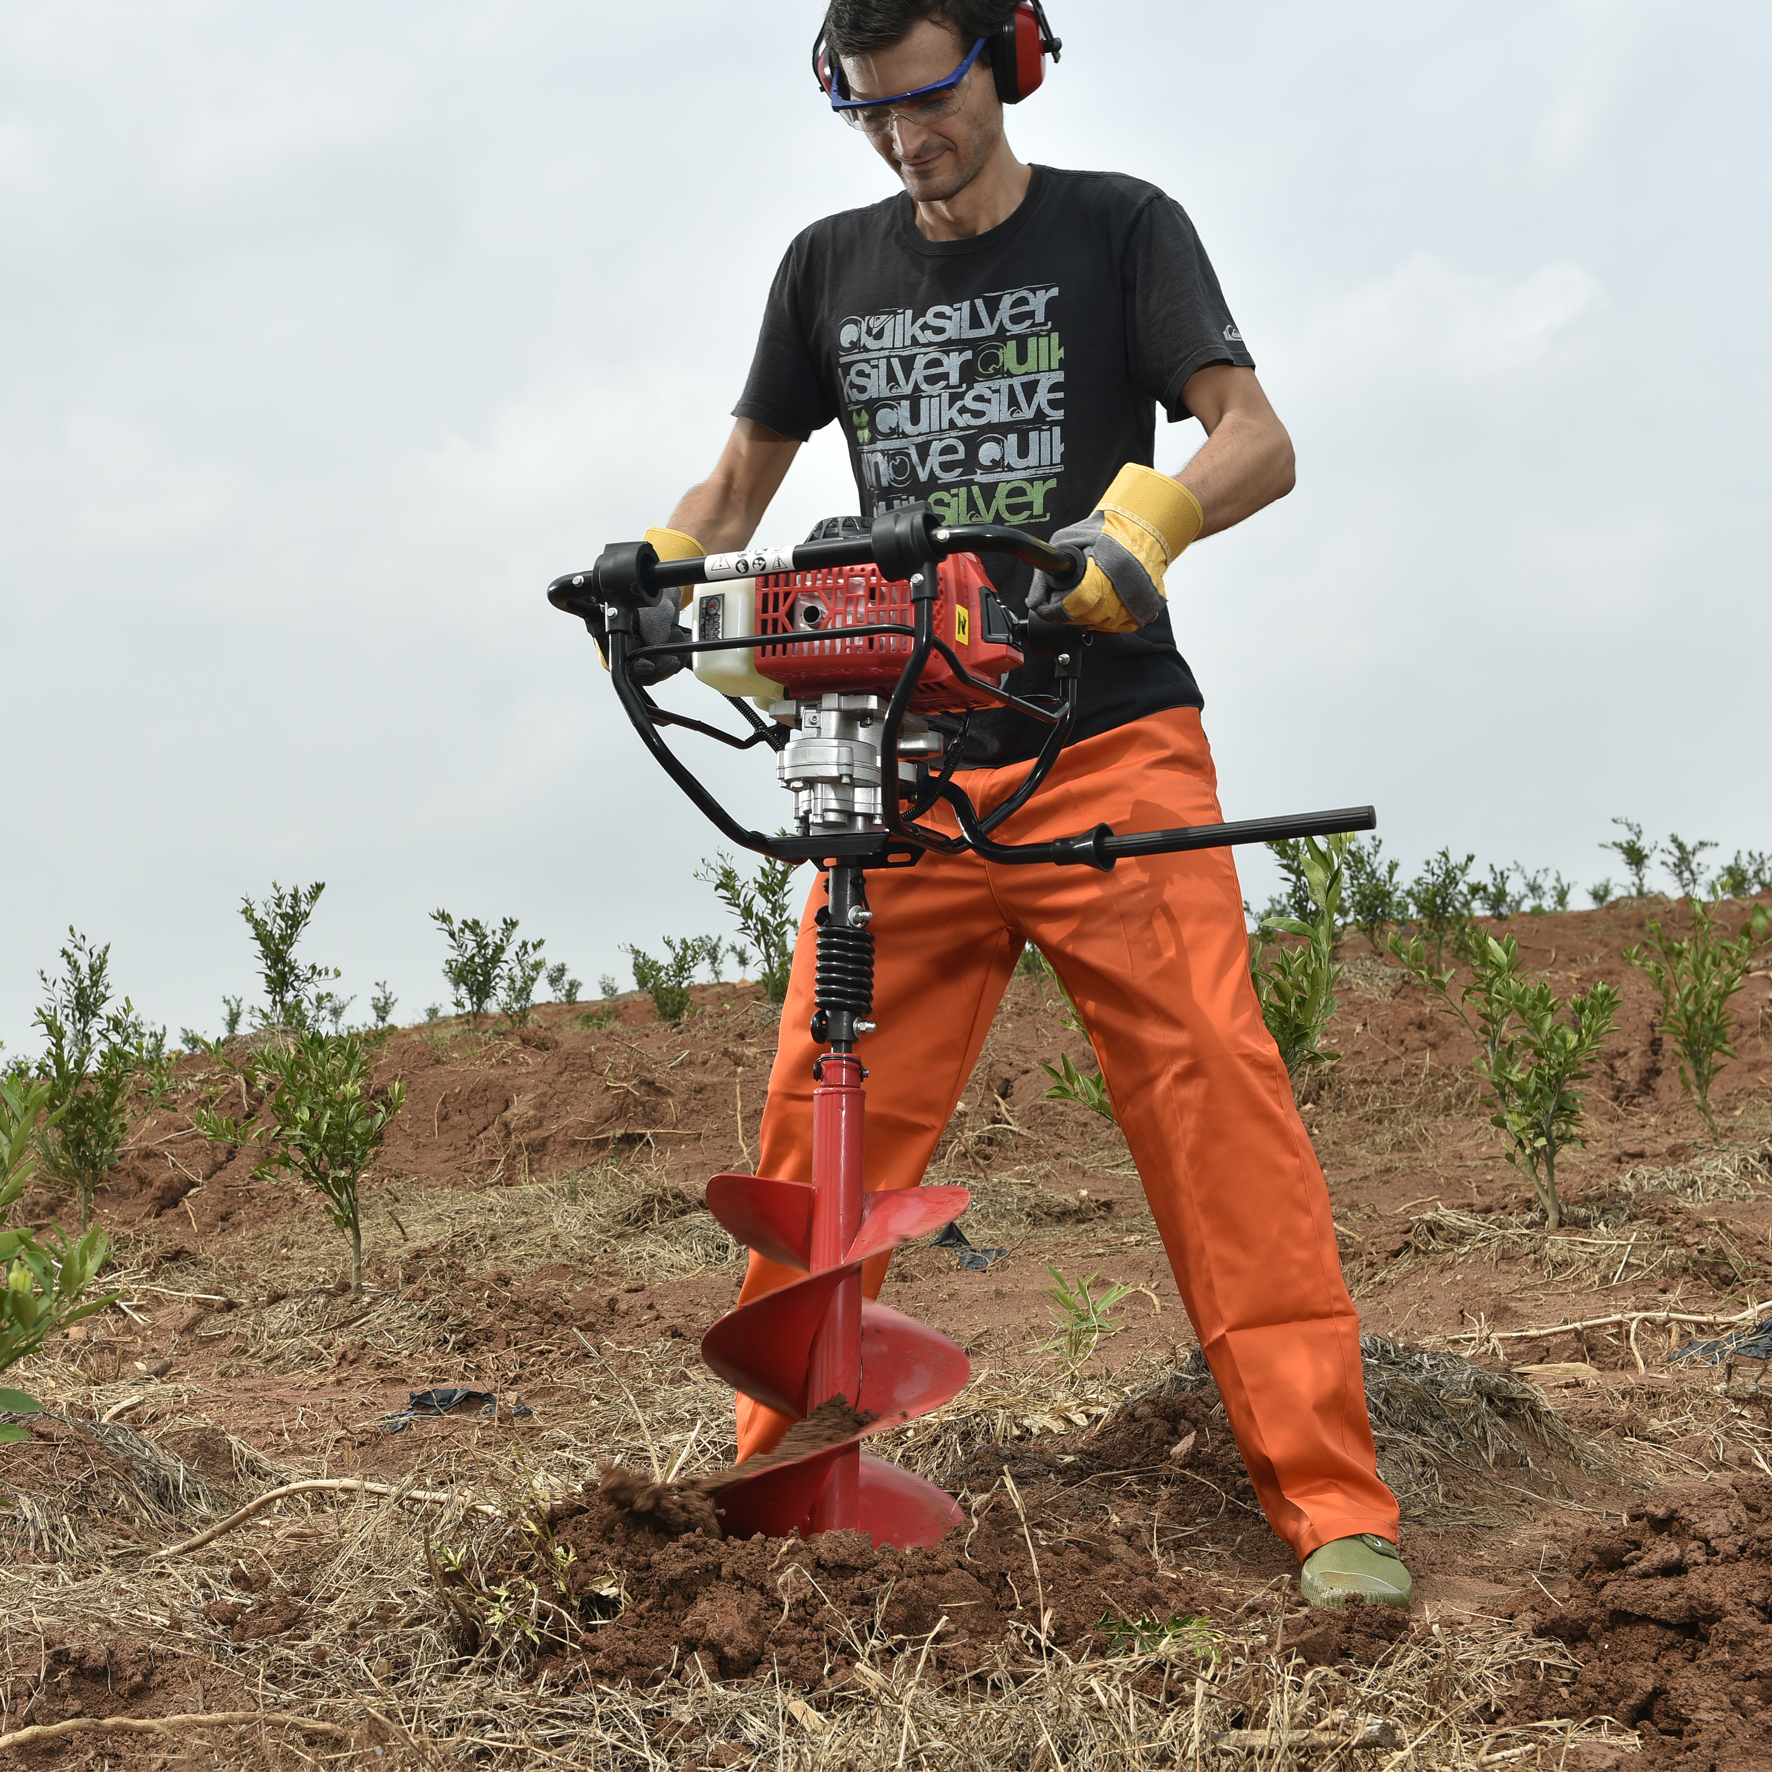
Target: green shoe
1367	1566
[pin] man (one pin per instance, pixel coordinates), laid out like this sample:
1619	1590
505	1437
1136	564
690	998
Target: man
995	341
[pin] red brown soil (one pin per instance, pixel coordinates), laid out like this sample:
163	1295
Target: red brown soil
1397	1124
1670	1616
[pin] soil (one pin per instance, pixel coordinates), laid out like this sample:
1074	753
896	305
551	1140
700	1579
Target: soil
534	1229
1670	1615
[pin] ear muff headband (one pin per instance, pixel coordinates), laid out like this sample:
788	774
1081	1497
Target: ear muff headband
1018	53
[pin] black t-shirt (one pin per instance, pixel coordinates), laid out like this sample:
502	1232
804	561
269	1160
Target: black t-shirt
1004	379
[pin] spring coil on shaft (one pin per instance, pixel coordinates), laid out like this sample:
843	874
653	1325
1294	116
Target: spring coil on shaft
845	977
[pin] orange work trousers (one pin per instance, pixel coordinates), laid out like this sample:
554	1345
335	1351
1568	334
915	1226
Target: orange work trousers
1156	957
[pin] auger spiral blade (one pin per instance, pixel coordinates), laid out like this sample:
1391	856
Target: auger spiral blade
767	1350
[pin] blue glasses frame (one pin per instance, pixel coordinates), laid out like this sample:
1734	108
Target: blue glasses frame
946	84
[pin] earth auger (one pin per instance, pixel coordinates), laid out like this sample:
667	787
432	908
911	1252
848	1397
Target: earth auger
871	645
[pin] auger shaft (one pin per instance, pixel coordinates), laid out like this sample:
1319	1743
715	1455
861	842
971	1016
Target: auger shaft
844	997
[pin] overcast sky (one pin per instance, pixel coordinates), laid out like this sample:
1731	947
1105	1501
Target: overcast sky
331	333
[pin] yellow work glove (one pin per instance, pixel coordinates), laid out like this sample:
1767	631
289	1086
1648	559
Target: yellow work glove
659	624
1143	522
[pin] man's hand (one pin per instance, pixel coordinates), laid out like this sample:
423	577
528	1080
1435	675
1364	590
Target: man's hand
659	625
1144	521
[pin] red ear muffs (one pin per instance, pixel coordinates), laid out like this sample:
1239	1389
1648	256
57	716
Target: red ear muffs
1019	51
1018	56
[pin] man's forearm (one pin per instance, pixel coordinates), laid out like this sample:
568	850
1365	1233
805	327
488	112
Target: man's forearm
1246	461
723	512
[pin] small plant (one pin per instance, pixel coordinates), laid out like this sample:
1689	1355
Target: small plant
1748	873
1685	861
1530	1059
381	1002
90	1065
1634	853
326	1123
1497	895
1030	963
433	1012
1696	979
1372	896
1296	985
667	981
565	989
1167	1637
517	980
295	996
156	1068
44	1289
1601	892
232	1009
606	1017
476	960
1068	1083
1440	902
1082	1318
764	913
609	985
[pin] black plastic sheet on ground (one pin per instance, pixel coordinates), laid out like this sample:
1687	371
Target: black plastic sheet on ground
976	1260
1751	1342
422	1405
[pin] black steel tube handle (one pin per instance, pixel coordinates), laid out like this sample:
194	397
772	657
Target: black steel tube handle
1100	848
632	573
1342	821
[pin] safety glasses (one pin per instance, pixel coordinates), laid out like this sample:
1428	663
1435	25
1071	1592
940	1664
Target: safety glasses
926	104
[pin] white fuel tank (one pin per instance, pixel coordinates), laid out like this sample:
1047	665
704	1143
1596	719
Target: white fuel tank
730	607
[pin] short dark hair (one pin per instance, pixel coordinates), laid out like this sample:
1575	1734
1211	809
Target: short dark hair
858	27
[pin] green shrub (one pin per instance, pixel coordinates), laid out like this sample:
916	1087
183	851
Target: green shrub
295	996
1601	892
1497	896
1440	903
476	960
667	981
1529	1058
1296	985
1685	861
1696	979
517	980
565	989
90	1064
1373	899
326	1122
44	1288
381	1002
1748	873
1634	853
762	905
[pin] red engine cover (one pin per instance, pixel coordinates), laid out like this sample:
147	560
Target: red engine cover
842	597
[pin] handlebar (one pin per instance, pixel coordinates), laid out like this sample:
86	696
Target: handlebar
901	544
904	545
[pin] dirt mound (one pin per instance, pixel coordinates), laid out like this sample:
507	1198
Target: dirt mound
1670	1617
810	1609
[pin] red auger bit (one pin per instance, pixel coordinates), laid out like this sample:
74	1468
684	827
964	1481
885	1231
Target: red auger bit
818	1338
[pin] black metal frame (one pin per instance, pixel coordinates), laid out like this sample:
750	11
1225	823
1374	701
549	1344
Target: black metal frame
905	545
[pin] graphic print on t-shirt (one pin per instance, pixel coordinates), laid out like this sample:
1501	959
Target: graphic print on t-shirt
960	406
